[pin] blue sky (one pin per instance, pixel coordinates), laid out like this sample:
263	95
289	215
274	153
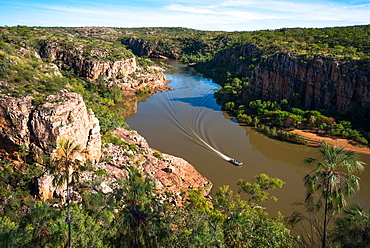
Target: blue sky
228	15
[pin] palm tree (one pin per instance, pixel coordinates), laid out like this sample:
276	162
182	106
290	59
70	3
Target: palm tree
65	168
143	223
332	180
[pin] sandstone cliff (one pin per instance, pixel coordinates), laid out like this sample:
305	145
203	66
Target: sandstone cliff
151	48
318	83
122	70
39	127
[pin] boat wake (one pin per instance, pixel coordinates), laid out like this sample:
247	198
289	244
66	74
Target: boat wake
188	114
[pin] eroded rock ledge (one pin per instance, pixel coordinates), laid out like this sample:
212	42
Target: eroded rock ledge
169	172
124	72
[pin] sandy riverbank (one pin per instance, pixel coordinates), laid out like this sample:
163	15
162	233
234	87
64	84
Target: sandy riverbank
315	140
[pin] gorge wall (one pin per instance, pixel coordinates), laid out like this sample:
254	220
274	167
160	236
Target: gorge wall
42	126
123	72
319	83
152	49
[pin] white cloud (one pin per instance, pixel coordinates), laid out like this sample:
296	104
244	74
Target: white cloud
179	7
208	15
292	12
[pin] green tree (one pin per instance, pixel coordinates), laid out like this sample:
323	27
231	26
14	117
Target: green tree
332	180
23	152
352	229
142	216
65	168
198	223
42	226
246	223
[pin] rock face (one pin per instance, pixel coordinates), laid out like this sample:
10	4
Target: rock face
60	117
318	83
152	80
65	117
315	84
85	67
125	73
152	49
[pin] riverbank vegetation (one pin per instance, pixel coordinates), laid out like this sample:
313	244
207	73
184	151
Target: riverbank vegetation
275	119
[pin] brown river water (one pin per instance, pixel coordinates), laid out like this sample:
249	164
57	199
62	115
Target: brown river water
187	122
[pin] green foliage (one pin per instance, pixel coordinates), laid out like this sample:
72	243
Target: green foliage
17	184
282	135
257	191
141	221
229	221
352	228
41	227
328	180
108	119
157	155
110	138
134	214
244	118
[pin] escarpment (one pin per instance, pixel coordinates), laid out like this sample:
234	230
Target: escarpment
317	83
152	49
94	64
91	68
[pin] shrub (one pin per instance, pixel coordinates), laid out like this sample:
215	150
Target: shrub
282	135
157	155
244	118
229	106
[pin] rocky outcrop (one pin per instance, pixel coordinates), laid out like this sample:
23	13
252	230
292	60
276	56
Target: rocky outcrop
39	127
170	172
84	66
151	49
152	80
124	73
316	84
64	117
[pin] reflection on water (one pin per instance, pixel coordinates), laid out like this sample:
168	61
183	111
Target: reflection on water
176	121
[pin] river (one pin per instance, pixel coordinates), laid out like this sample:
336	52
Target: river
187	122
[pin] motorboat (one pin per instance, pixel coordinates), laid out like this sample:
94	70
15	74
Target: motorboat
235	162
